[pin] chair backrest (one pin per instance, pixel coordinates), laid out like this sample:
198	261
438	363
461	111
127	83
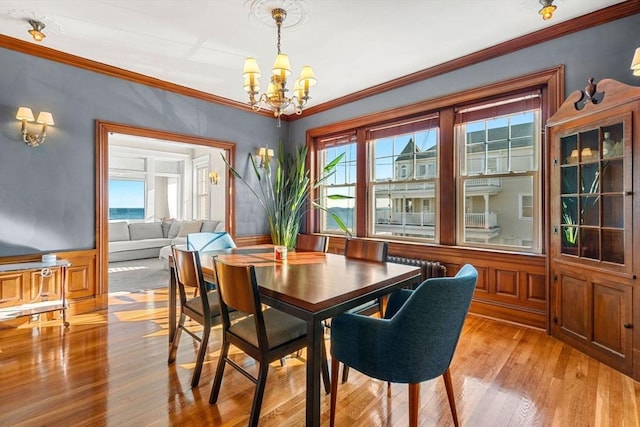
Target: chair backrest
369	250
237	286
188	274
427	326
312	243
209	241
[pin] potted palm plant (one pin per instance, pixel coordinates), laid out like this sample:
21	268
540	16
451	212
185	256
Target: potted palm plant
283	192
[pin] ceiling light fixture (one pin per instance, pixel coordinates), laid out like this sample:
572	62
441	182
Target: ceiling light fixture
547	9
276	97
36	31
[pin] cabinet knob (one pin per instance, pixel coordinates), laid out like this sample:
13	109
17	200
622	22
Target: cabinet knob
628	325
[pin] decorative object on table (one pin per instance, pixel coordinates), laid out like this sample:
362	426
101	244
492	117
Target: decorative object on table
285	199
414	343
275	98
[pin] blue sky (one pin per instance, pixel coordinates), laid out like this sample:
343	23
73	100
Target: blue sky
126	193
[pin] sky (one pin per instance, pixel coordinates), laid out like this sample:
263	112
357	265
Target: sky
126	193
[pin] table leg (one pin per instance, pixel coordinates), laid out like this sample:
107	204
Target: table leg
172	305
314	362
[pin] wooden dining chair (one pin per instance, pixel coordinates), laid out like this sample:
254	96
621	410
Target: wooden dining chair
312	243
369	250
265	335
203	308
414	343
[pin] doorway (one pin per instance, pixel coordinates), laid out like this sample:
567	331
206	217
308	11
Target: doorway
154	176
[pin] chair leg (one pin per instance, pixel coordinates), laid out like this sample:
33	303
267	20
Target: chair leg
202	353
414	404
335	367
452	399
176	339
257	397
345	374
325	369
217	381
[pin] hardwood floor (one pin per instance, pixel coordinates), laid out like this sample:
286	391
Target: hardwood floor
110	369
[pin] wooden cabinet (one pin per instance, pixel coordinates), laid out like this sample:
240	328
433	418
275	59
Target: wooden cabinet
594	217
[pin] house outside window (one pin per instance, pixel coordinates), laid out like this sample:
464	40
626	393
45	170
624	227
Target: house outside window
499	145
399	188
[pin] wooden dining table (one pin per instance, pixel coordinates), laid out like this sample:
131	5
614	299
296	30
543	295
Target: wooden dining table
312	286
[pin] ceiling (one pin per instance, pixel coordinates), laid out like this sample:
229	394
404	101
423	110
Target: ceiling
351	44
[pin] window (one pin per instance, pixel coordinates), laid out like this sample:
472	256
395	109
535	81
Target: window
526	206
126	199
468	173
341	183
499	174
201	187
399	196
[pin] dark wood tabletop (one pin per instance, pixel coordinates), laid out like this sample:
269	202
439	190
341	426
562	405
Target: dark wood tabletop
312	286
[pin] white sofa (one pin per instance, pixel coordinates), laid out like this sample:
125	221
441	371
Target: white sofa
137	240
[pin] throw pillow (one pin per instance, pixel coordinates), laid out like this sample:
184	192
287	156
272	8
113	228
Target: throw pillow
189	227
174	229
118	231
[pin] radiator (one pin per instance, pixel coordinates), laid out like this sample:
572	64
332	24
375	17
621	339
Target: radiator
427	268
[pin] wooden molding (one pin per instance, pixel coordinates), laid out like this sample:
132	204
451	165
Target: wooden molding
612	13
242	241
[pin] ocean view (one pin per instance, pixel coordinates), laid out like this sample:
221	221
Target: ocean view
126	213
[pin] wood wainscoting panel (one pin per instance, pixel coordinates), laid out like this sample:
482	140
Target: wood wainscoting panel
81	281
12	288
536	288
507	283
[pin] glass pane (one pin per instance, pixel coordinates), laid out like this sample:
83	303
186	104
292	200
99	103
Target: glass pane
590	214
612	141
569	148
405	209
613	246
339	201
590	243
589	145
569	180
126	199
569	210
590	178
613	211
491	212
612	176
569	240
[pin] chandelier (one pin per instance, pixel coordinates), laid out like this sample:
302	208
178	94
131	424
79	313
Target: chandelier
276	98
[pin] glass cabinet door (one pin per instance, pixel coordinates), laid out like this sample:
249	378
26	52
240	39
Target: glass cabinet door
592	211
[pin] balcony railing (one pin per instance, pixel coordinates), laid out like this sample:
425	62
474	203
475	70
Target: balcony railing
472	220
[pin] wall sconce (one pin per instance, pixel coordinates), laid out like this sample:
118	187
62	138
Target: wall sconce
635	63
214	178
265	156
32	139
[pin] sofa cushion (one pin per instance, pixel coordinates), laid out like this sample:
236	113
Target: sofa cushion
189	227
118	231
136	245
209	226
145	230
166	226
174	229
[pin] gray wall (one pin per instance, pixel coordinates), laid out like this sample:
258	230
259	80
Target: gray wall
601	52
47	194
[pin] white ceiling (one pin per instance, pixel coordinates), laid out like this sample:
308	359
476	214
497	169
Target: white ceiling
351	44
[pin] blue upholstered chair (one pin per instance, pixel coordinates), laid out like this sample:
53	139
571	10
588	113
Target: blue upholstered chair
415	341
204	242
